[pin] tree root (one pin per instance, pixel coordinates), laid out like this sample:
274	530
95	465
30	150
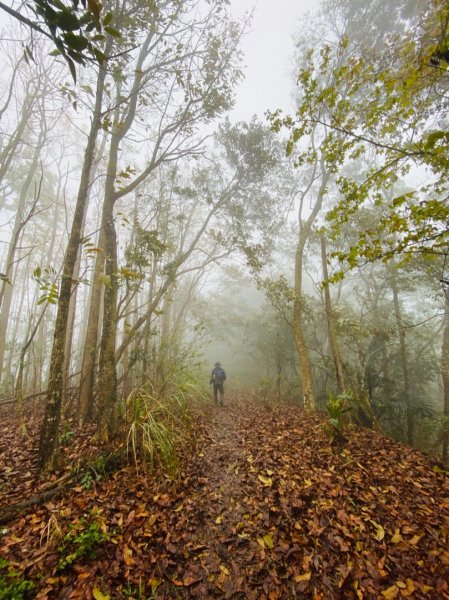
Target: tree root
111	463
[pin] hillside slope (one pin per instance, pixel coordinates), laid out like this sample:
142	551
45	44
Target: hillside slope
264	507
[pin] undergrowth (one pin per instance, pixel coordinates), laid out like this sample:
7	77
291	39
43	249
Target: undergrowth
13	585
158	422
83	540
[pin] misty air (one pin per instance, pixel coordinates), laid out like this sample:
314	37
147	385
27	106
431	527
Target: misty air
224	299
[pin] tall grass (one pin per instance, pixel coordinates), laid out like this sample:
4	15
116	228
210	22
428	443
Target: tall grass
158	420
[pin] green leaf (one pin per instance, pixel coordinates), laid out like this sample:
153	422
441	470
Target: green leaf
76	42
113	32
66	20
107	19
87	89
95	8
71	67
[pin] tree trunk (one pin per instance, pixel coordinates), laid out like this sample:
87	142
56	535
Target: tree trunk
445	376
331	320
19	224
16	139
49	439
403	358
92	338
303	352
107	371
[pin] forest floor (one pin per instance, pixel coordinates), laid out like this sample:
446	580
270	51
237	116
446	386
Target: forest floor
264	507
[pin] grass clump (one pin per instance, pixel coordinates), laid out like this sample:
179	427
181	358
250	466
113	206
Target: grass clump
83	540
155	427
13	585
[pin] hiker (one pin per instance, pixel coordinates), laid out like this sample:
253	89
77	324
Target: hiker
217	378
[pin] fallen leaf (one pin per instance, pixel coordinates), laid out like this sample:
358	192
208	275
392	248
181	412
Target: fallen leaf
98	594
380	531
390	593
396	537
303	577
267	481
128	555
415	539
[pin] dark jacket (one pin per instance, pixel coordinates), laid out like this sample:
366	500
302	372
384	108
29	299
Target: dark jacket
217	376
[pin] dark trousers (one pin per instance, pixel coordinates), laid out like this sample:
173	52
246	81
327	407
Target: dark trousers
218	389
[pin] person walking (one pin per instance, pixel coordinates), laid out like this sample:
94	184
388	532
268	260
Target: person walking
217	378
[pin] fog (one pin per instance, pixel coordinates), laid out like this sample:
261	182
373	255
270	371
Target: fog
152	226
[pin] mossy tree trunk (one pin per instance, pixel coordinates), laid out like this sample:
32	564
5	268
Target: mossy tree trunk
49	437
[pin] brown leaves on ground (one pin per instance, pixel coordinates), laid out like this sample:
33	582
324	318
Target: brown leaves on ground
264	508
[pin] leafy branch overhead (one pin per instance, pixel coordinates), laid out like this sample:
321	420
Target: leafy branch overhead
77	28
383	119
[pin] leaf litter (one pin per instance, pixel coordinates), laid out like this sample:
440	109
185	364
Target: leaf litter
263	508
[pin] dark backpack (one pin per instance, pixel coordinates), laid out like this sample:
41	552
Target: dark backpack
219	375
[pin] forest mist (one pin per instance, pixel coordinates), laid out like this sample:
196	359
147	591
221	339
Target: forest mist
145	236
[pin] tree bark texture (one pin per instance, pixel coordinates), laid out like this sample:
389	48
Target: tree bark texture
445	376
49	438
333	342
305	368
403	358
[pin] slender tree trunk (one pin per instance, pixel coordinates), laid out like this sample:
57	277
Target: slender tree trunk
304	230
331	320
19	224
92	337
16	139
69	334
403	358
445	376
107	376
49	439
305	368
19	379
107	371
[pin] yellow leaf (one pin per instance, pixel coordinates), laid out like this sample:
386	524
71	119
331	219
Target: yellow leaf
179	508
410	588
390	593
397	537
261	542
224	569
268	540
401	585
415	539
303	577
269	471
267	481
380	531
219	520
128	556
154	583
98	595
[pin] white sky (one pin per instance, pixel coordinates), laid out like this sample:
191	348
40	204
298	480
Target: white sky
268	49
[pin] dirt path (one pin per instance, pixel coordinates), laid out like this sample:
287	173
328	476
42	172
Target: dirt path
224	511
264	508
